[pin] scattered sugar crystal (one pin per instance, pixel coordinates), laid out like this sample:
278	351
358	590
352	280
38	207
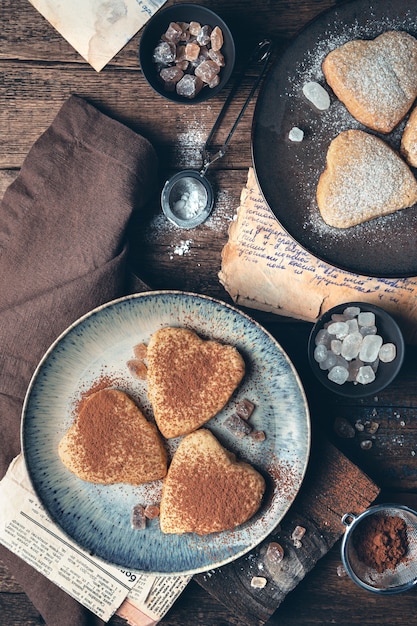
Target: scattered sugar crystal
387	352
366	318
370	347
340	329
351	345
245	408
298	533
296	134
365	375
317	95
258	582
338	374
340	571
137	517
274	553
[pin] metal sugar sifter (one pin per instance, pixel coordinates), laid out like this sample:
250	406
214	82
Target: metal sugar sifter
401	573
187	197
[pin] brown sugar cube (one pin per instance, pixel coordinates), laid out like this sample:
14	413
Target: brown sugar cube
207	70
203	36
217	57
192	51
214	82
137	517
245	408
216	38
137	368
194	28
189	86
173	32
170	77
151	511
140	350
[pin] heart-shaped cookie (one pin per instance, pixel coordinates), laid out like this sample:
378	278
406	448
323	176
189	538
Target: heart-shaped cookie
364	179
111	441
376	80
189	379
206	489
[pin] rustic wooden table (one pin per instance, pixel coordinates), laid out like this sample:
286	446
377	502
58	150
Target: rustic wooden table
38	71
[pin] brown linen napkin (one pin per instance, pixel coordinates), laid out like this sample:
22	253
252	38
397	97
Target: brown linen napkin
62	252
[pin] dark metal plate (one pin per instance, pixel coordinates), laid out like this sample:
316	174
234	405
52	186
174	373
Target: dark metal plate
287	172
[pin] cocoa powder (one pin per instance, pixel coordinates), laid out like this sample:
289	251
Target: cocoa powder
381	542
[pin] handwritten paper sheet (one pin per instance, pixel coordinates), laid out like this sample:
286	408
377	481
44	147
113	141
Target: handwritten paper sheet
26	529
97	29
264	268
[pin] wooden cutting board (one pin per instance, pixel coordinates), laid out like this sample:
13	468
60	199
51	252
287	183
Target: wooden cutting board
332	487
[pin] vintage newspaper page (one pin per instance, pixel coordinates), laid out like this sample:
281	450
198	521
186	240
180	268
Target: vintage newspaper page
26	529
97	29
264	268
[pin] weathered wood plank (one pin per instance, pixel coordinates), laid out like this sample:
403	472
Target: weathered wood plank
333	487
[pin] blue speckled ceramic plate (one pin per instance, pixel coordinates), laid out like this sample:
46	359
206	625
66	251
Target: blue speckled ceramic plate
98	347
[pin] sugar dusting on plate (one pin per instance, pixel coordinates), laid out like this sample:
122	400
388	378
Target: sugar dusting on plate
324	125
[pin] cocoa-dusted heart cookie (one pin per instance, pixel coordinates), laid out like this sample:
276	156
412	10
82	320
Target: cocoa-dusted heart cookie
189	379
111	441
206	489
375	79
363	179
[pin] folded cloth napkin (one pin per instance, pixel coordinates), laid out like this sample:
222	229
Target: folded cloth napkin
62	252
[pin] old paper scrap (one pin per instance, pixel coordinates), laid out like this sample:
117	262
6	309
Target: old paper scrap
97	29
264	268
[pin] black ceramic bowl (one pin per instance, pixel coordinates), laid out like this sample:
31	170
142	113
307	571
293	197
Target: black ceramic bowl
158	25
385	373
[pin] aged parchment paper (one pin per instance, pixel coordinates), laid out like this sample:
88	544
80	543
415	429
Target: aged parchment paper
264	268
97	29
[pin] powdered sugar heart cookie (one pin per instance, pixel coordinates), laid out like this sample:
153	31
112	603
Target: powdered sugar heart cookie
206	489
376	80
111	441
364	178
189	379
